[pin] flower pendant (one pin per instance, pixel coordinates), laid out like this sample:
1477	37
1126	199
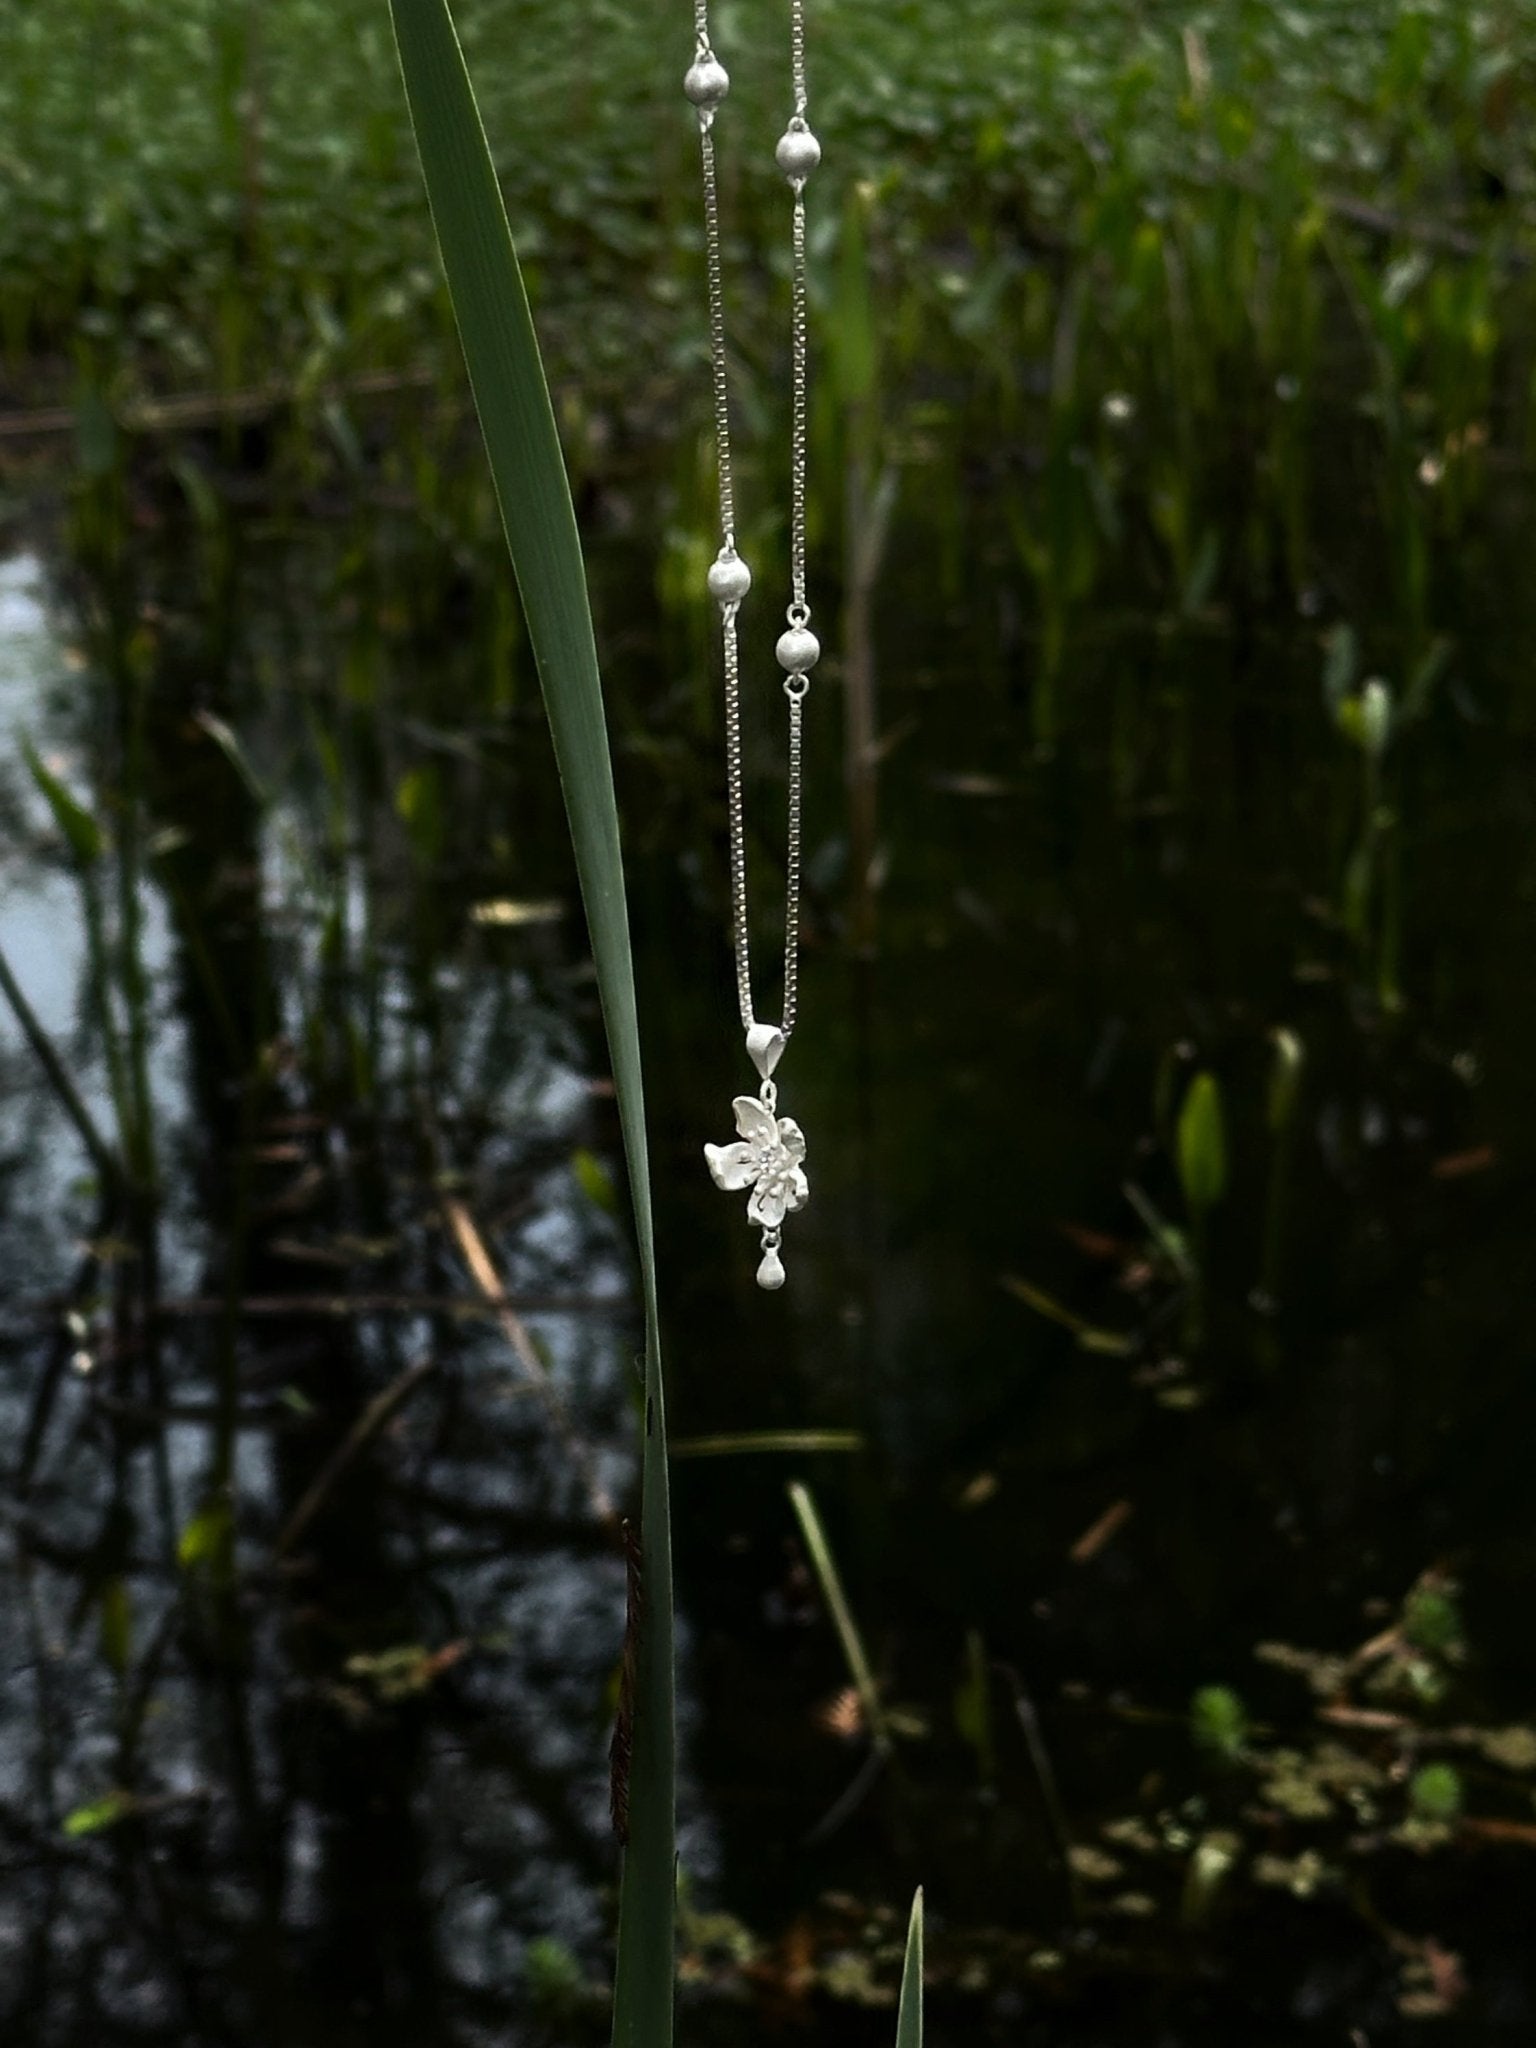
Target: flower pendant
767	1159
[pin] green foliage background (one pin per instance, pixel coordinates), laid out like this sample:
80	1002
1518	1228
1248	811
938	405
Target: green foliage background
222	186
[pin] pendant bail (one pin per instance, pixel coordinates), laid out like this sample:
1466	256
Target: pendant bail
765	1048
770	1273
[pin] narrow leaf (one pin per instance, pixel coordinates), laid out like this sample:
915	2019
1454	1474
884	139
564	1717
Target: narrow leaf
595	1181
101	1813
1104	1343
1202	1145
80	830
1285	1077
754	1442
1376	717
853	352
909	2017
1422	683
206	1536
973	1706
1341	667
46	1053
227	740
825	1567
518	422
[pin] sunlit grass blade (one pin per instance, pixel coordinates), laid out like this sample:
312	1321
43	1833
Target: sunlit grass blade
768	1443
909	2015
828	1578
517	419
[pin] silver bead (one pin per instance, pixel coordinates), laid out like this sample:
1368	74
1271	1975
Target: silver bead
707	83
729	578
798	650
798	154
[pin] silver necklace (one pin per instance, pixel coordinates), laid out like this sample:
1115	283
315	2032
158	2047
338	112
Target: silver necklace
768	1157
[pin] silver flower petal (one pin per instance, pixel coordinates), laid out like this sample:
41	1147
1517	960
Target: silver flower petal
759	1126
732	1167
766	1159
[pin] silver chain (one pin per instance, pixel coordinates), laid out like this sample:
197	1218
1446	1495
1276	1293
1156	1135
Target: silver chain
769	1156
717	339
798	325
797	155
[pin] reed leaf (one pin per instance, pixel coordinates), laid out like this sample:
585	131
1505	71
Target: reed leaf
507	377
909	2015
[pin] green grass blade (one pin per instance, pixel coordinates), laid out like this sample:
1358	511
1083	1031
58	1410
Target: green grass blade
512	396
767	1442
909	2015
103	1158
829	1579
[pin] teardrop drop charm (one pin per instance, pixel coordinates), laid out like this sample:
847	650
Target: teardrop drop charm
770	1274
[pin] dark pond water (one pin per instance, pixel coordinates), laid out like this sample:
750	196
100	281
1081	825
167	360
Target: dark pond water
331	1765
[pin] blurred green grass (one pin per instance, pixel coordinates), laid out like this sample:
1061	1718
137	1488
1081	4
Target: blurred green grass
218	189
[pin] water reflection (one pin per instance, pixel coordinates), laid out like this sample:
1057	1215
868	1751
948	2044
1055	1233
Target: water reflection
309	1619
310	1615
